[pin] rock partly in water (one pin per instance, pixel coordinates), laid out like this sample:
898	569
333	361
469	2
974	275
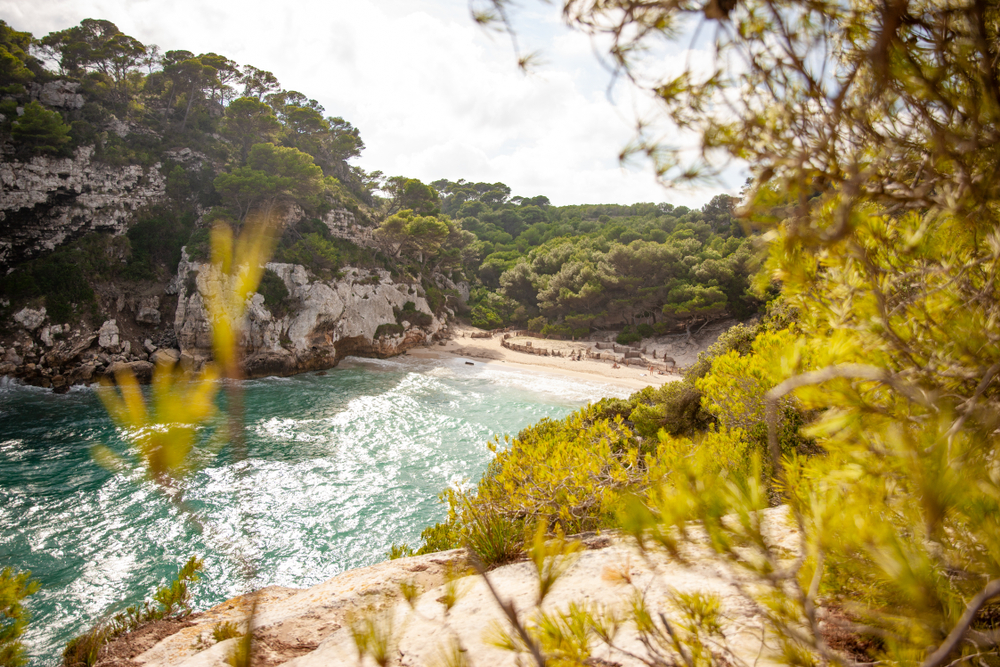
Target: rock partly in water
165	356
141	370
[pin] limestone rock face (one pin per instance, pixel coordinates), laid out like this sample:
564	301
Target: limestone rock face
322	323
29	318
47	201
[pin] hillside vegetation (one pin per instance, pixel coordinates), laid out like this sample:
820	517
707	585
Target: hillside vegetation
255	147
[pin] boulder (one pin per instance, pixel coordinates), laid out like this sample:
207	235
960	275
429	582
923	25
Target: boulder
142	370
47	334
107	336
149	311
148	316
30	318
83	373
165	356
12	357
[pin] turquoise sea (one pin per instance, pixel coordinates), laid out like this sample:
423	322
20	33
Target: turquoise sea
341	466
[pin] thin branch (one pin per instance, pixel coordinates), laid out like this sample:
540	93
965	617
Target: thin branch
509	611
957	633
853	371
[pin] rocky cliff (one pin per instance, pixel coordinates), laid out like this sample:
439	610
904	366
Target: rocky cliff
362	312
320	323
47	201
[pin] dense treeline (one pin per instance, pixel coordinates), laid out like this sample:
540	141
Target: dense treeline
558	270
567	270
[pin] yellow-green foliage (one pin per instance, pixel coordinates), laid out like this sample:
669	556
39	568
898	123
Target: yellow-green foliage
14	587
375	635
568	471
897	355
733	391
226	630
174	600
575	472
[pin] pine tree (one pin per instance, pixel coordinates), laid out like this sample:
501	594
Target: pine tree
40	130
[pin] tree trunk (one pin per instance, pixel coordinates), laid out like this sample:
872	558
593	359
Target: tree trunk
170	100
188	109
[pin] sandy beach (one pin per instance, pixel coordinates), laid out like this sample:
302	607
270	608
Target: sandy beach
490	351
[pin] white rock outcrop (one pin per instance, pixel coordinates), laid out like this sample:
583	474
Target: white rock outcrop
312	627
324	320
61	94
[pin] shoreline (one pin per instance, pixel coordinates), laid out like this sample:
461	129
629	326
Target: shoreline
490	353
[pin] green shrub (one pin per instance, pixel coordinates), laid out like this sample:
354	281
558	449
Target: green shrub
178	183
560	330
676	407
59	278
399	551
39	130
132	149
156	241
415	317
627	336
496	539
435	298
485	317
275	293
571	472
388	330
646	330
536	324
439	537
315	252
739	338
199	245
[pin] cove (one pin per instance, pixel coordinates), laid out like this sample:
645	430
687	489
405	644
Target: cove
341	466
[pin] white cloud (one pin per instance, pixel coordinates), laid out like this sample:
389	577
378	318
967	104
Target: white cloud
433	95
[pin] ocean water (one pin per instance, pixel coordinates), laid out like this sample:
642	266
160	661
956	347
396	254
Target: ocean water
340	467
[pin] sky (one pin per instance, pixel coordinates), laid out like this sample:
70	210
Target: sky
433	94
